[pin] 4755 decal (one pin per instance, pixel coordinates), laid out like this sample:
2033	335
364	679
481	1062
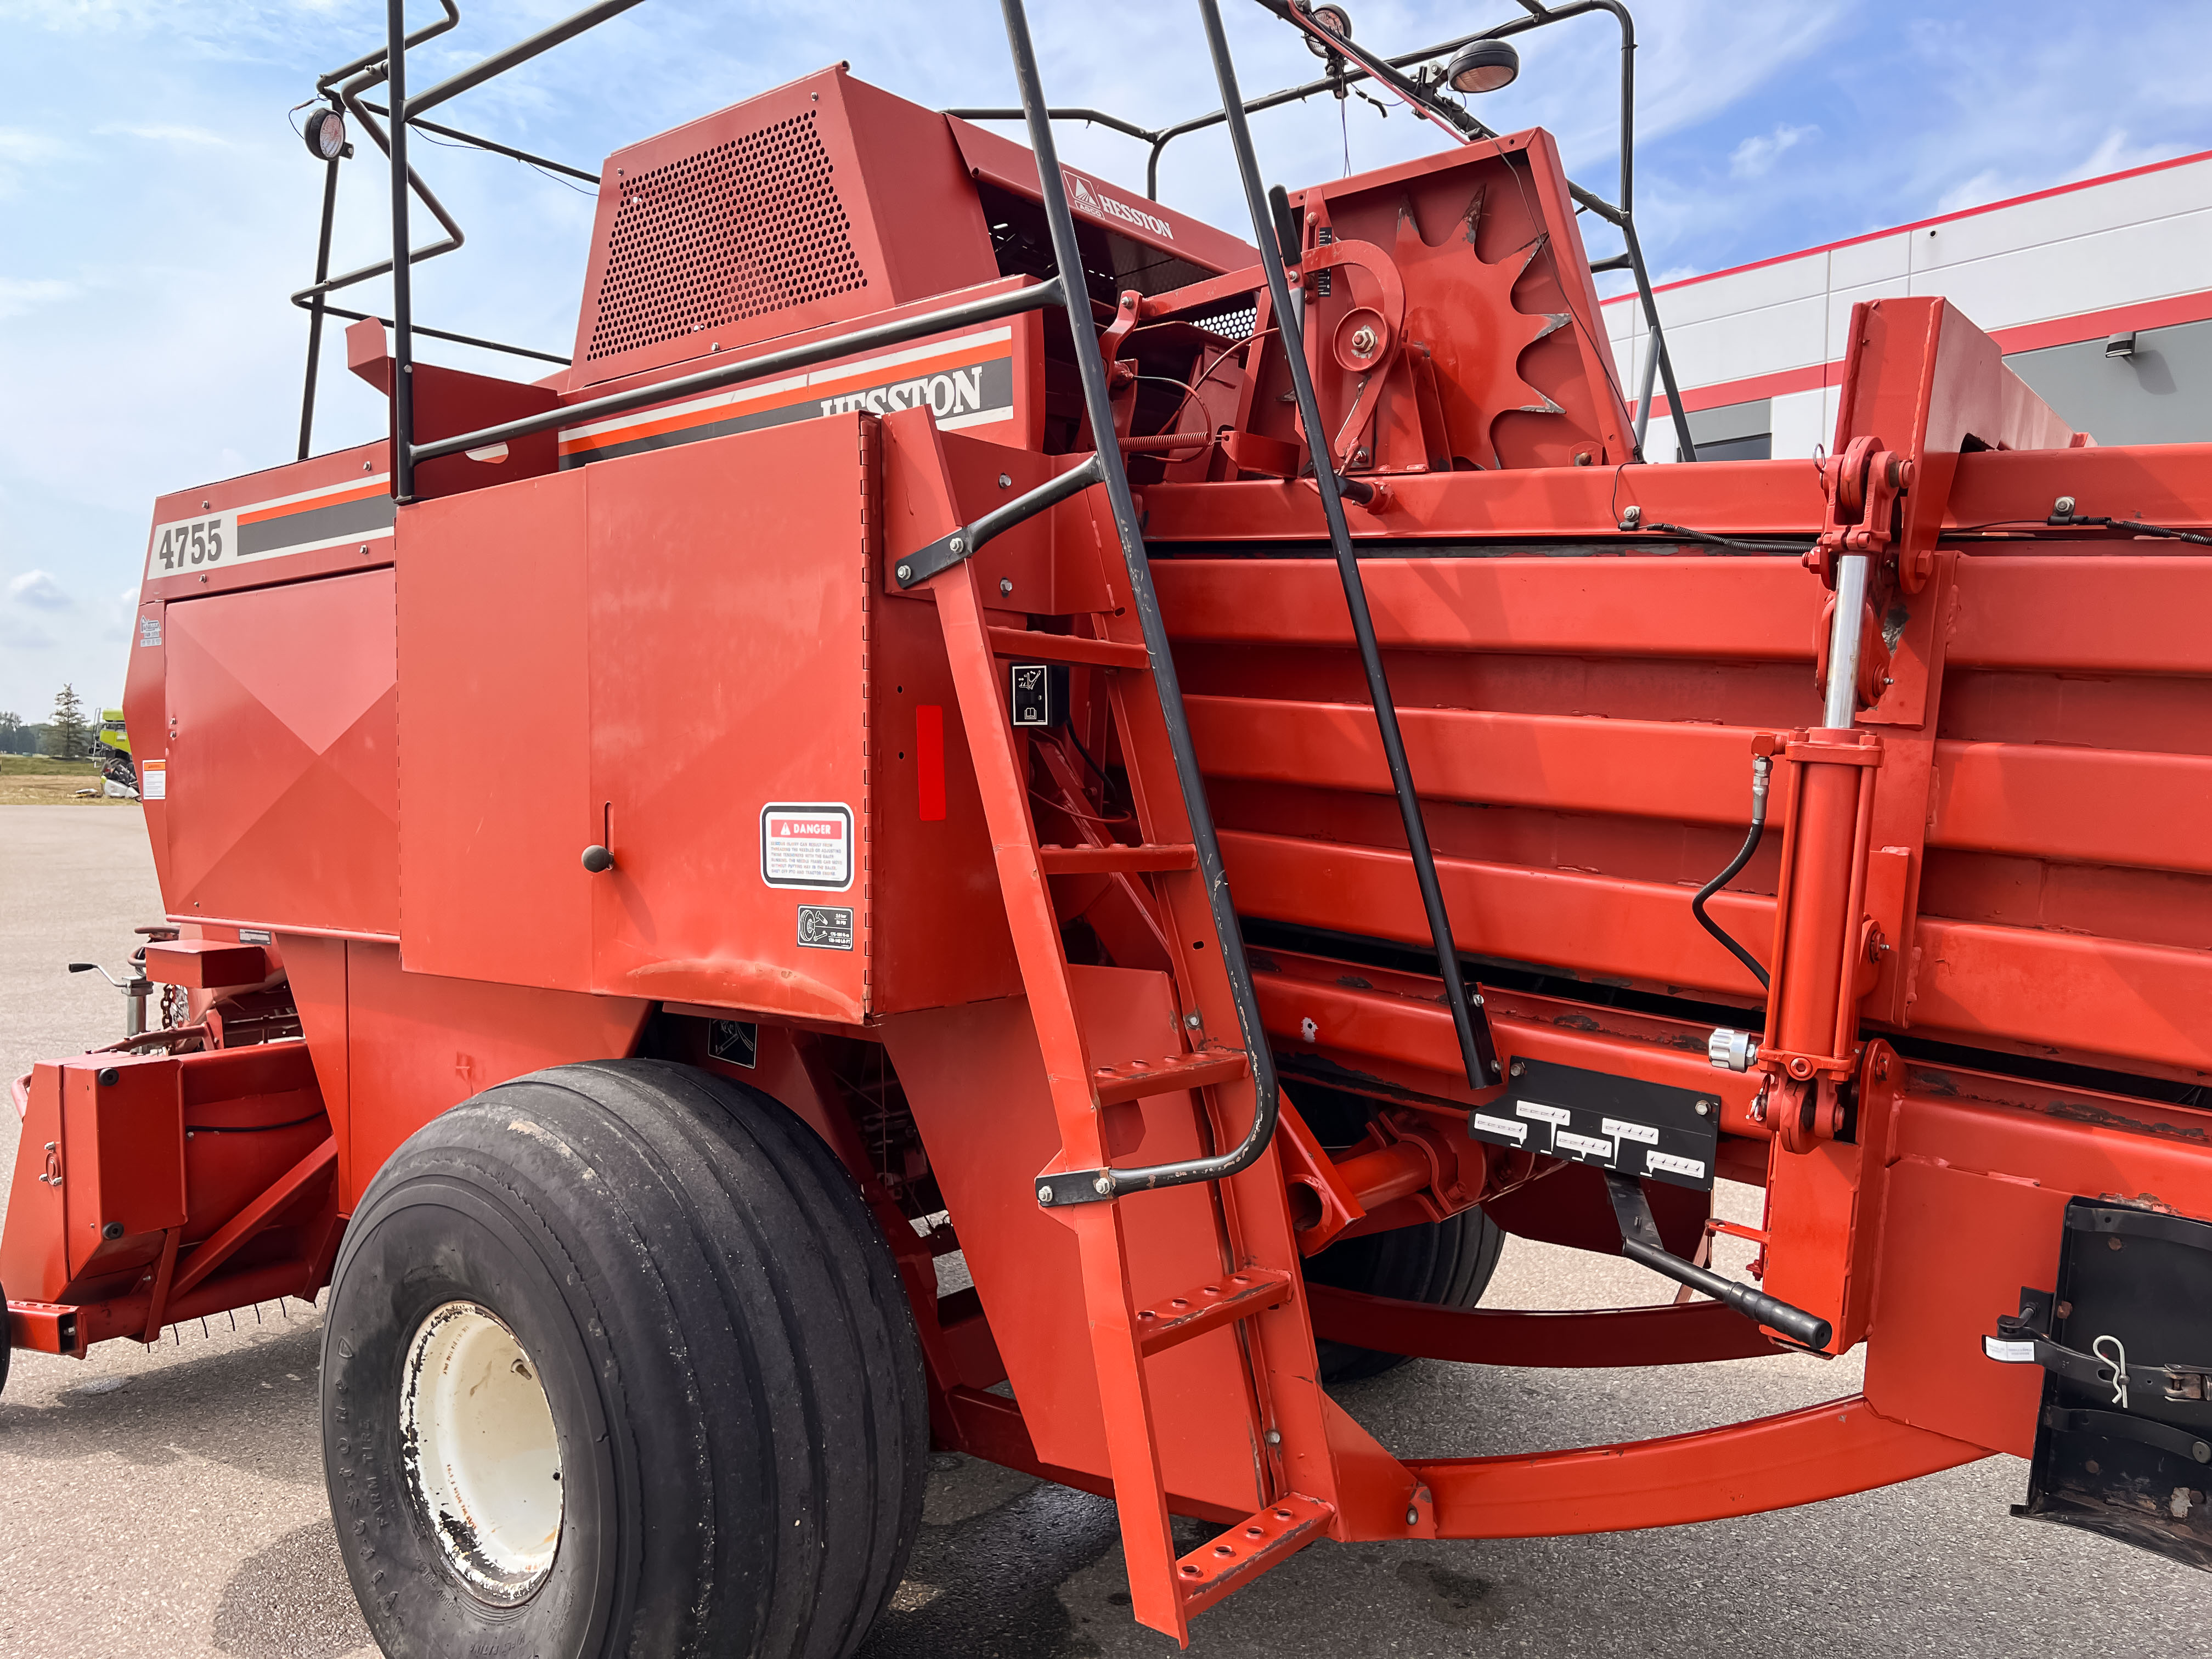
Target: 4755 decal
191	543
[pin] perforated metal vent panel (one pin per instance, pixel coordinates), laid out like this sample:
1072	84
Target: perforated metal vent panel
744	229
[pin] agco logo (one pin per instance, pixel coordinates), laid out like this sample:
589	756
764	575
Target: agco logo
1083	198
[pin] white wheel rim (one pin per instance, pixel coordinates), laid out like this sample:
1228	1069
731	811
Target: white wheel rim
481	1454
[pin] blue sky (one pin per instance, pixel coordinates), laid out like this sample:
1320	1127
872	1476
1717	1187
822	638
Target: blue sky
158	208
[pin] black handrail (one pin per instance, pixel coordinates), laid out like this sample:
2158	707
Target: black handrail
476	141
344	87
1477	1053
1091	1186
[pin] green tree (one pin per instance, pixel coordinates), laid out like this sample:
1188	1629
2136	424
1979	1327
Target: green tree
11	733
65	733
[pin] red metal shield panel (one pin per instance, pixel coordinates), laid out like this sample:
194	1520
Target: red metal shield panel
281	788
728	598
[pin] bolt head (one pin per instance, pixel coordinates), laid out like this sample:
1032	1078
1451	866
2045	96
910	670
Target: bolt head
1413	1517
1103	1186
1274	1436
1705	1108
1520	1068
1044	1195
1363	341
1005	481
958	544
905	571
1191	1020
2062	507
1005	584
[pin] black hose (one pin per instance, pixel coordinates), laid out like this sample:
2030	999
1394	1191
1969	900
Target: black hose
1761	767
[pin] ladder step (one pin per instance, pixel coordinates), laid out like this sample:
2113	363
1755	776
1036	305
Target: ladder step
1223	1301
1138	1078
1249	1548
1116	860
1027	646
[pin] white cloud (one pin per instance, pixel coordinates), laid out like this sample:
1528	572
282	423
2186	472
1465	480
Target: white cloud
2117	154
20	294
38	589
168	135
21	152
1757	154
20	634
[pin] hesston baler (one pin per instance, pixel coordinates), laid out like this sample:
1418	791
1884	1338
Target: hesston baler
847	890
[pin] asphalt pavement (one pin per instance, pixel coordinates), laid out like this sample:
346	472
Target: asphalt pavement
169	1501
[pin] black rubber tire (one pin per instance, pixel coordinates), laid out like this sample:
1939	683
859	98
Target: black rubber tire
1446	1264
731	1365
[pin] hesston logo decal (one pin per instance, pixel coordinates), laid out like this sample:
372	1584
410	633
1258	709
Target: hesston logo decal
966	380
959	392
1087	197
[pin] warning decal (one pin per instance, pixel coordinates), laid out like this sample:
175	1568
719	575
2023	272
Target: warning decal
152	780
807	844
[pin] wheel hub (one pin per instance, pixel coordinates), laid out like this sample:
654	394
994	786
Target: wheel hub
481	1454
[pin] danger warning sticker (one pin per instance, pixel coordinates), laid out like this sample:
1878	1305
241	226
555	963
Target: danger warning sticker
807	844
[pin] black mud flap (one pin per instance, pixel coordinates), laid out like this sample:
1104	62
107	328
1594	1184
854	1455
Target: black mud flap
2124	1441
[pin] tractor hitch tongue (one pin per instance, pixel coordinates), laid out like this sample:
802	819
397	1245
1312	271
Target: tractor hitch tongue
936	576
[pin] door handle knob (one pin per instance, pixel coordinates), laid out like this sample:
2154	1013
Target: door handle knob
597	860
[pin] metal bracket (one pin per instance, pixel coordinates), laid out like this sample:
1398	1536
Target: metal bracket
1075	1186
946	551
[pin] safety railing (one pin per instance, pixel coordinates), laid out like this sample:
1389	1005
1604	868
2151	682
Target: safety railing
343	88
1349	63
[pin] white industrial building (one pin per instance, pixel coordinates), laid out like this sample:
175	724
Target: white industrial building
2099	293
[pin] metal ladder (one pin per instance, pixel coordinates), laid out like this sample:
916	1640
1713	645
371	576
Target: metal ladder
1177	872
1261	1287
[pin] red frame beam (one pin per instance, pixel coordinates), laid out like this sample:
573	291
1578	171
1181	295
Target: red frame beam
1672	1333
1745	1469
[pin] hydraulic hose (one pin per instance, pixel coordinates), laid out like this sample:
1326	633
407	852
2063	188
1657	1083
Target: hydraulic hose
1762	769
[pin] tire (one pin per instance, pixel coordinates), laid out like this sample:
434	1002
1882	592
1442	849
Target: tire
717	1332
1446	1264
